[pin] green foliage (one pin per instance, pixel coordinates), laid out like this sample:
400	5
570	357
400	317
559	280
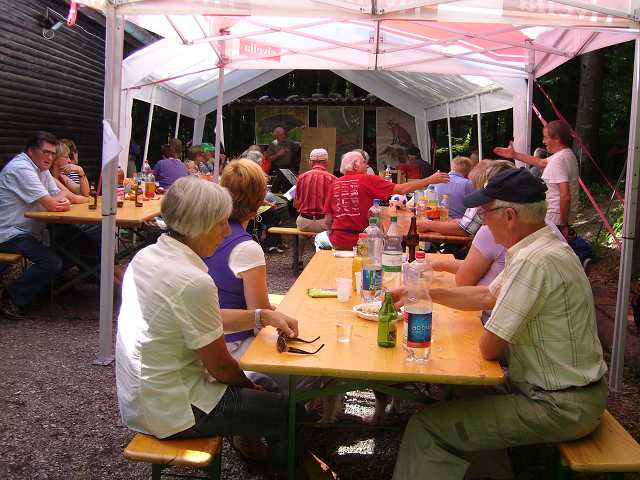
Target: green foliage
459	146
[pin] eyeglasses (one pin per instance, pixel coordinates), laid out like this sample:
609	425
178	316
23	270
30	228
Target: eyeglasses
48	153
482	213
282	346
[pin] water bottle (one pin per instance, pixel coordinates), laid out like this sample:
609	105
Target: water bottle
418	311
432	197
372	270
146	169
375	210
444	208
392	257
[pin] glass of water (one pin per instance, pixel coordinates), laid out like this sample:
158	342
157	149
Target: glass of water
344	326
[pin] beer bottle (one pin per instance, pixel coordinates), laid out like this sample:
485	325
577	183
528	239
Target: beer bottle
413	239
139	194
387	317
93	197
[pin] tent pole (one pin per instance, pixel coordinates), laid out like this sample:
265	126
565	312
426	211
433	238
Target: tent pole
479	127
114	43
531	78
449	135
149	122
628	233
222	60
178	117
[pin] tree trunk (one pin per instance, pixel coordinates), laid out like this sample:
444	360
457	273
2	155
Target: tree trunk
588	112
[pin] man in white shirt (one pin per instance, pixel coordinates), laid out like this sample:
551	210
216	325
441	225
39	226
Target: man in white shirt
560	173
26	185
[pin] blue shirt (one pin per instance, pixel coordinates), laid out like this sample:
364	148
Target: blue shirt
458	187
22	184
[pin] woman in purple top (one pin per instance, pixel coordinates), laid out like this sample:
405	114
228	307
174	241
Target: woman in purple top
485	259
169	169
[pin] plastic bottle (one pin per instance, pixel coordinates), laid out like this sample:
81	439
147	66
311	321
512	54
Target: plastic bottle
360	257
443	208
387	173
432	197
387	318
150	185
375	210
418	312
372	271
146	168
392	257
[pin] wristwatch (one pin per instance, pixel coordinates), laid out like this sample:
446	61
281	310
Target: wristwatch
258	317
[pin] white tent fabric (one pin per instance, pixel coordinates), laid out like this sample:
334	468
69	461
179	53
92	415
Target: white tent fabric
501	40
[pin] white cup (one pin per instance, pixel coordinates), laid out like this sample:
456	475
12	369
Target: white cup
343	288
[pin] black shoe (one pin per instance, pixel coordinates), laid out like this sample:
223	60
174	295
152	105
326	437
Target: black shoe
12	312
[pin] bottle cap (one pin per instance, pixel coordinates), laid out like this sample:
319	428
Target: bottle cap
394	218
373	221
420	254
376	201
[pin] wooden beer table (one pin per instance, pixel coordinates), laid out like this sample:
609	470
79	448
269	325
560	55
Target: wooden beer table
455	353
128	216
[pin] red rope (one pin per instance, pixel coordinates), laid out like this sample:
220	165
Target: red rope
586	191
581	144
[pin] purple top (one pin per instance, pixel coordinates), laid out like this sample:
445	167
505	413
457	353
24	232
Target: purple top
458	187
489	249
168	170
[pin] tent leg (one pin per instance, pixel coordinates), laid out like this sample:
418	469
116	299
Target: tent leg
479	128
149	123
628	234
114	42
449	135
219	130
175	135
531	78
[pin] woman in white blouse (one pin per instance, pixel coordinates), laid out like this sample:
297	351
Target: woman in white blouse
175	377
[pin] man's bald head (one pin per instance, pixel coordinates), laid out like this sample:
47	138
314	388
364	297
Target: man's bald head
353	162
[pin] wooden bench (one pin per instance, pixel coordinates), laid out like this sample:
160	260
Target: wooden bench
296	242
202	453
10	257
609	448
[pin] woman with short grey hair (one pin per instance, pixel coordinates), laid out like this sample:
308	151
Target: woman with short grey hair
174	375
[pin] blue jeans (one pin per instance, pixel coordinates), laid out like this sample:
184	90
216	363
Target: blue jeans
37	279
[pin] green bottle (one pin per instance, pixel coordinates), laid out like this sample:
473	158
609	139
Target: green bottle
387	317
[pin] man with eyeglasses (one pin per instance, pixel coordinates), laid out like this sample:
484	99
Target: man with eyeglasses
543	324
26	185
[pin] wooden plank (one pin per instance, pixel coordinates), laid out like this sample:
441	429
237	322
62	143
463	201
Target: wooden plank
440	238
291	231
609	448
195	452
127	216
455	354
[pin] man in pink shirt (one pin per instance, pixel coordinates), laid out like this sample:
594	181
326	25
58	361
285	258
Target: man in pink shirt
312	189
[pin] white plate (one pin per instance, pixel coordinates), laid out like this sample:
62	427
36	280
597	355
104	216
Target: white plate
358	310
343	253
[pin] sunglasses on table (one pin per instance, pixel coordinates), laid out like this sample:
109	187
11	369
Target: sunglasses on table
282	346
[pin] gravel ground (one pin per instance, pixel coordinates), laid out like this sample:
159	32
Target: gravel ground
60	417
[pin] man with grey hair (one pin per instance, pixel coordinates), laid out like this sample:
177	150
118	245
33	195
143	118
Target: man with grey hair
311	190
542	322
347	205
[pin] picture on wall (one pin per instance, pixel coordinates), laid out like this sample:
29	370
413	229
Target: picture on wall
349	125
292	119
396	137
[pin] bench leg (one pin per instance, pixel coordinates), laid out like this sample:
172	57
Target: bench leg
156	471
296	254
214	470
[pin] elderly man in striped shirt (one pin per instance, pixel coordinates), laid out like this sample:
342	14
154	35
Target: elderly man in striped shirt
312	189
542	322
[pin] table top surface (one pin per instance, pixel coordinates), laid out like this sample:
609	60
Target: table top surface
455	354
127	215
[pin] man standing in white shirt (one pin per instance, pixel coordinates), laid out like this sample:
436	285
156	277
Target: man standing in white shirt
560	173
26	184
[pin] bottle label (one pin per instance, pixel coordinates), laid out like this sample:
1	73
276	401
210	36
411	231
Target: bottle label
371	279
92	201
392	262
419	330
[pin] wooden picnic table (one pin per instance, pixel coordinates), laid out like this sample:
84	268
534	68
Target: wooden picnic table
127	216
404	222
455	353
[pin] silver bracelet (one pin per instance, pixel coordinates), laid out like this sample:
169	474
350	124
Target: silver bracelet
258	317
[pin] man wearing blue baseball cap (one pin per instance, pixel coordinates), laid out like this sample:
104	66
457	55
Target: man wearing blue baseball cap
542	322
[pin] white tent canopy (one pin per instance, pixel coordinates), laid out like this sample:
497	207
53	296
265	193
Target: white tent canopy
505	41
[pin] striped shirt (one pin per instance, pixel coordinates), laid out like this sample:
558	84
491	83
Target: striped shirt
74	176
312	189
545	310
470	221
